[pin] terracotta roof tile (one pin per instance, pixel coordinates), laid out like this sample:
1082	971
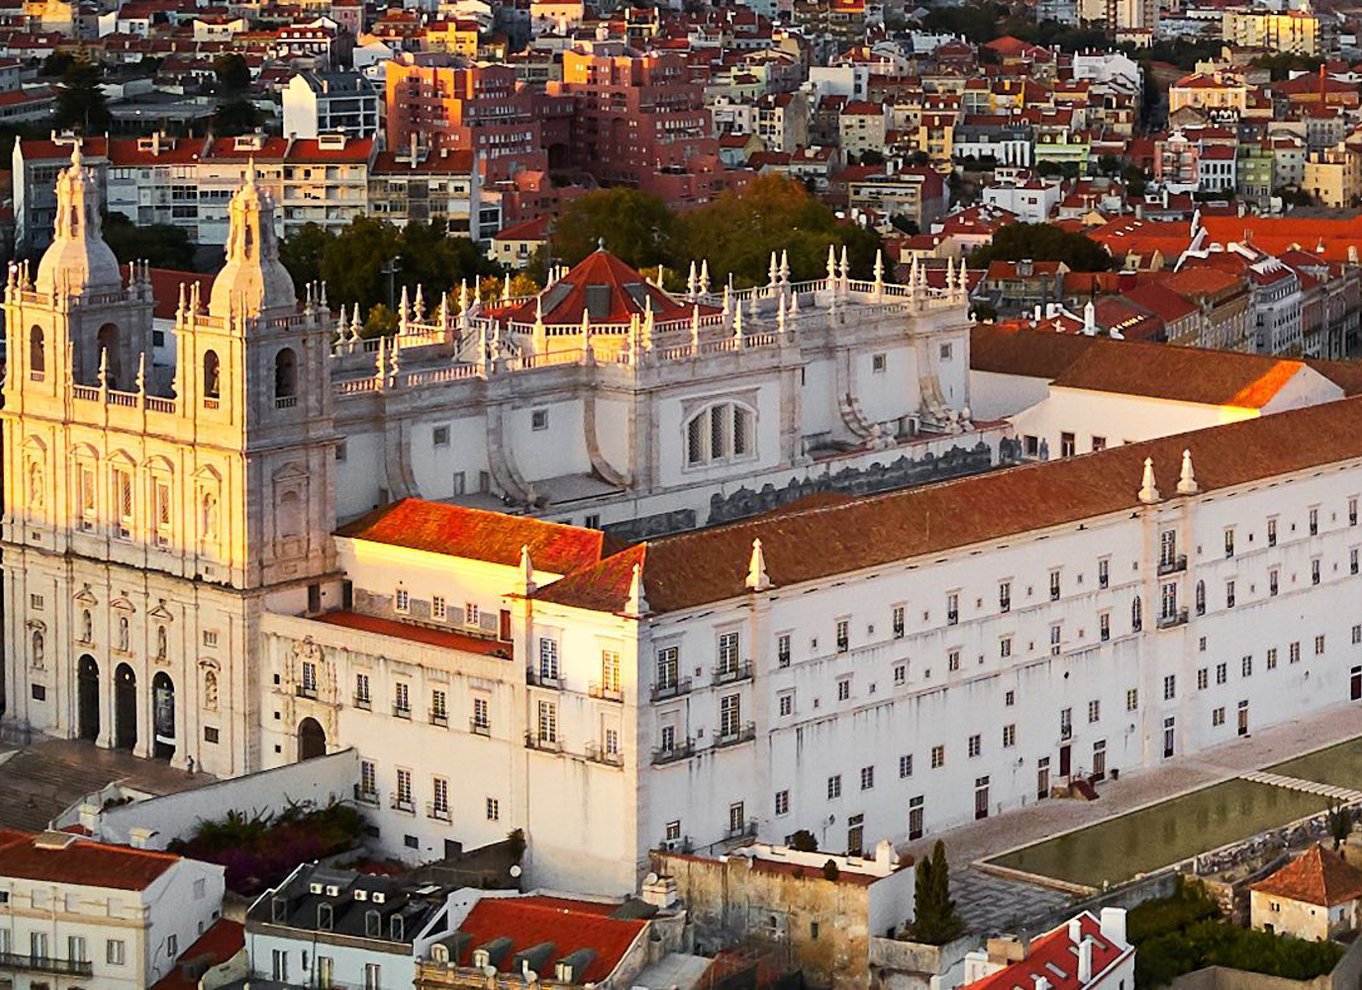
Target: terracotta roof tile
1052	955
91	864
478	535
417	634
568	925
1318	876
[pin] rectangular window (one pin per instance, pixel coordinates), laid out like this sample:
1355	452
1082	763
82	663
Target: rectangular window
1056	642
472	614
1272	532
1054	586
783	650
1272	658
1319	646
404	786
1203	679
905	765
539	419
867	778
1294	651
843	635
439	795
976	745
438	608
1352	560
1099	443
1104	626
834	787
481	716
1067	446
1009	699
1218	716
844	689
439	710
1066	723
730	715
952	609
900	673
728	653
1273	584
916	817
786	704
1221	673
548	659
1103	572
122	497
1132	699
402	700
610	671
1005	596
1246	667
161	507
1229	543
548	722
1314	571
402	600
115	950
737	818
1005	647
1314	522
1352	512
898	621
1094	711
1229	594
1170	687
368	778
782	802
938	757
1009	736
953	660
668	667
440	436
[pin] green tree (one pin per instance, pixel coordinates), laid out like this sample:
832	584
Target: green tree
438	262
1042	242
236	116
636	227
1340	825
234	75
56	64
935	920
80	102
352	264
161	244
302	254
379	322
804	841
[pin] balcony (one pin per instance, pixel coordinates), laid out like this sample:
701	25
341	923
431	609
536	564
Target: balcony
400	802
539	679
746	831
402	711
730	673
440	812
597	753
1175	618
439	718
545	744
670	754
744	734
46	964
671	689
1173	565
365	796
363	701
305	691
598	690
479	727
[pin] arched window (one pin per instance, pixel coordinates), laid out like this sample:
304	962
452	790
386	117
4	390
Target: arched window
109	355
210	374
39	648
285	374
1136	614
124	634
721	432
37	353
1201	598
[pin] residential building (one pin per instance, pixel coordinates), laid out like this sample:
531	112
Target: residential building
1087	951
919	194
1334	176
416	185
1275	30
861	128
1032	200
1208	92
1316	897
330	102
79	913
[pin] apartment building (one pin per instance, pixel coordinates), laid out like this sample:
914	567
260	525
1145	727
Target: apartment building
330	103
79	913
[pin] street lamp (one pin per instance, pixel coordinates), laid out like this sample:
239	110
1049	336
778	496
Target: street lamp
390	268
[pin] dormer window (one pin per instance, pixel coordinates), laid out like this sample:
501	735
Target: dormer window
721	432
325	916
373	924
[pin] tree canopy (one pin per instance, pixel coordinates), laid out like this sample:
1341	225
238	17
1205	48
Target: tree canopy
1042	242
81	105
934	919
234	75
735	234
161	244
353	263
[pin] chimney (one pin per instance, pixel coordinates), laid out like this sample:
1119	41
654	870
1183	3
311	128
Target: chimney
1114	925
1085	961
1075	930
1041	982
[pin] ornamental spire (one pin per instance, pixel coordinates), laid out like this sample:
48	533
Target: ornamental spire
757	579
1149	492
1187	480
636	604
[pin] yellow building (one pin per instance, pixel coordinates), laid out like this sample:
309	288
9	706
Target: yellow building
1334	176
1208	92
459	37
1287	31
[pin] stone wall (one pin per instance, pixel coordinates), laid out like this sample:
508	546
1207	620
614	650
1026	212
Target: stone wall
902	965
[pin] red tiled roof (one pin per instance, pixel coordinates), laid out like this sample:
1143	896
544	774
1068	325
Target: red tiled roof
565	301
569	925
1318	876
416	634
165	289
91	864
221	942
1052	955
473	533
454	162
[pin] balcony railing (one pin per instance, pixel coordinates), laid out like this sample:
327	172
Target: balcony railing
597	753
728	673
744	831
543	743
439	718
363	701
743	734
1170	619
305	691
672	689
598	690
670	754
479	727
46	964
1173	565
437	811
535	677
402	711
364	796
399	802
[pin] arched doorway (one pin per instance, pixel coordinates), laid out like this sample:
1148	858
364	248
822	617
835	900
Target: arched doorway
311	739
87	698
162	716
125	707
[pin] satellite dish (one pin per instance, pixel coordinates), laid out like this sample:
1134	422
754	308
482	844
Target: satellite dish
651	878
489	971
516	870
531	976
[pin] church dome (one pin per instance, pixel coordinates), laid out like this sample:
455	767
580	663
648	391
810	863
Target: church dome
78	261
254	280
